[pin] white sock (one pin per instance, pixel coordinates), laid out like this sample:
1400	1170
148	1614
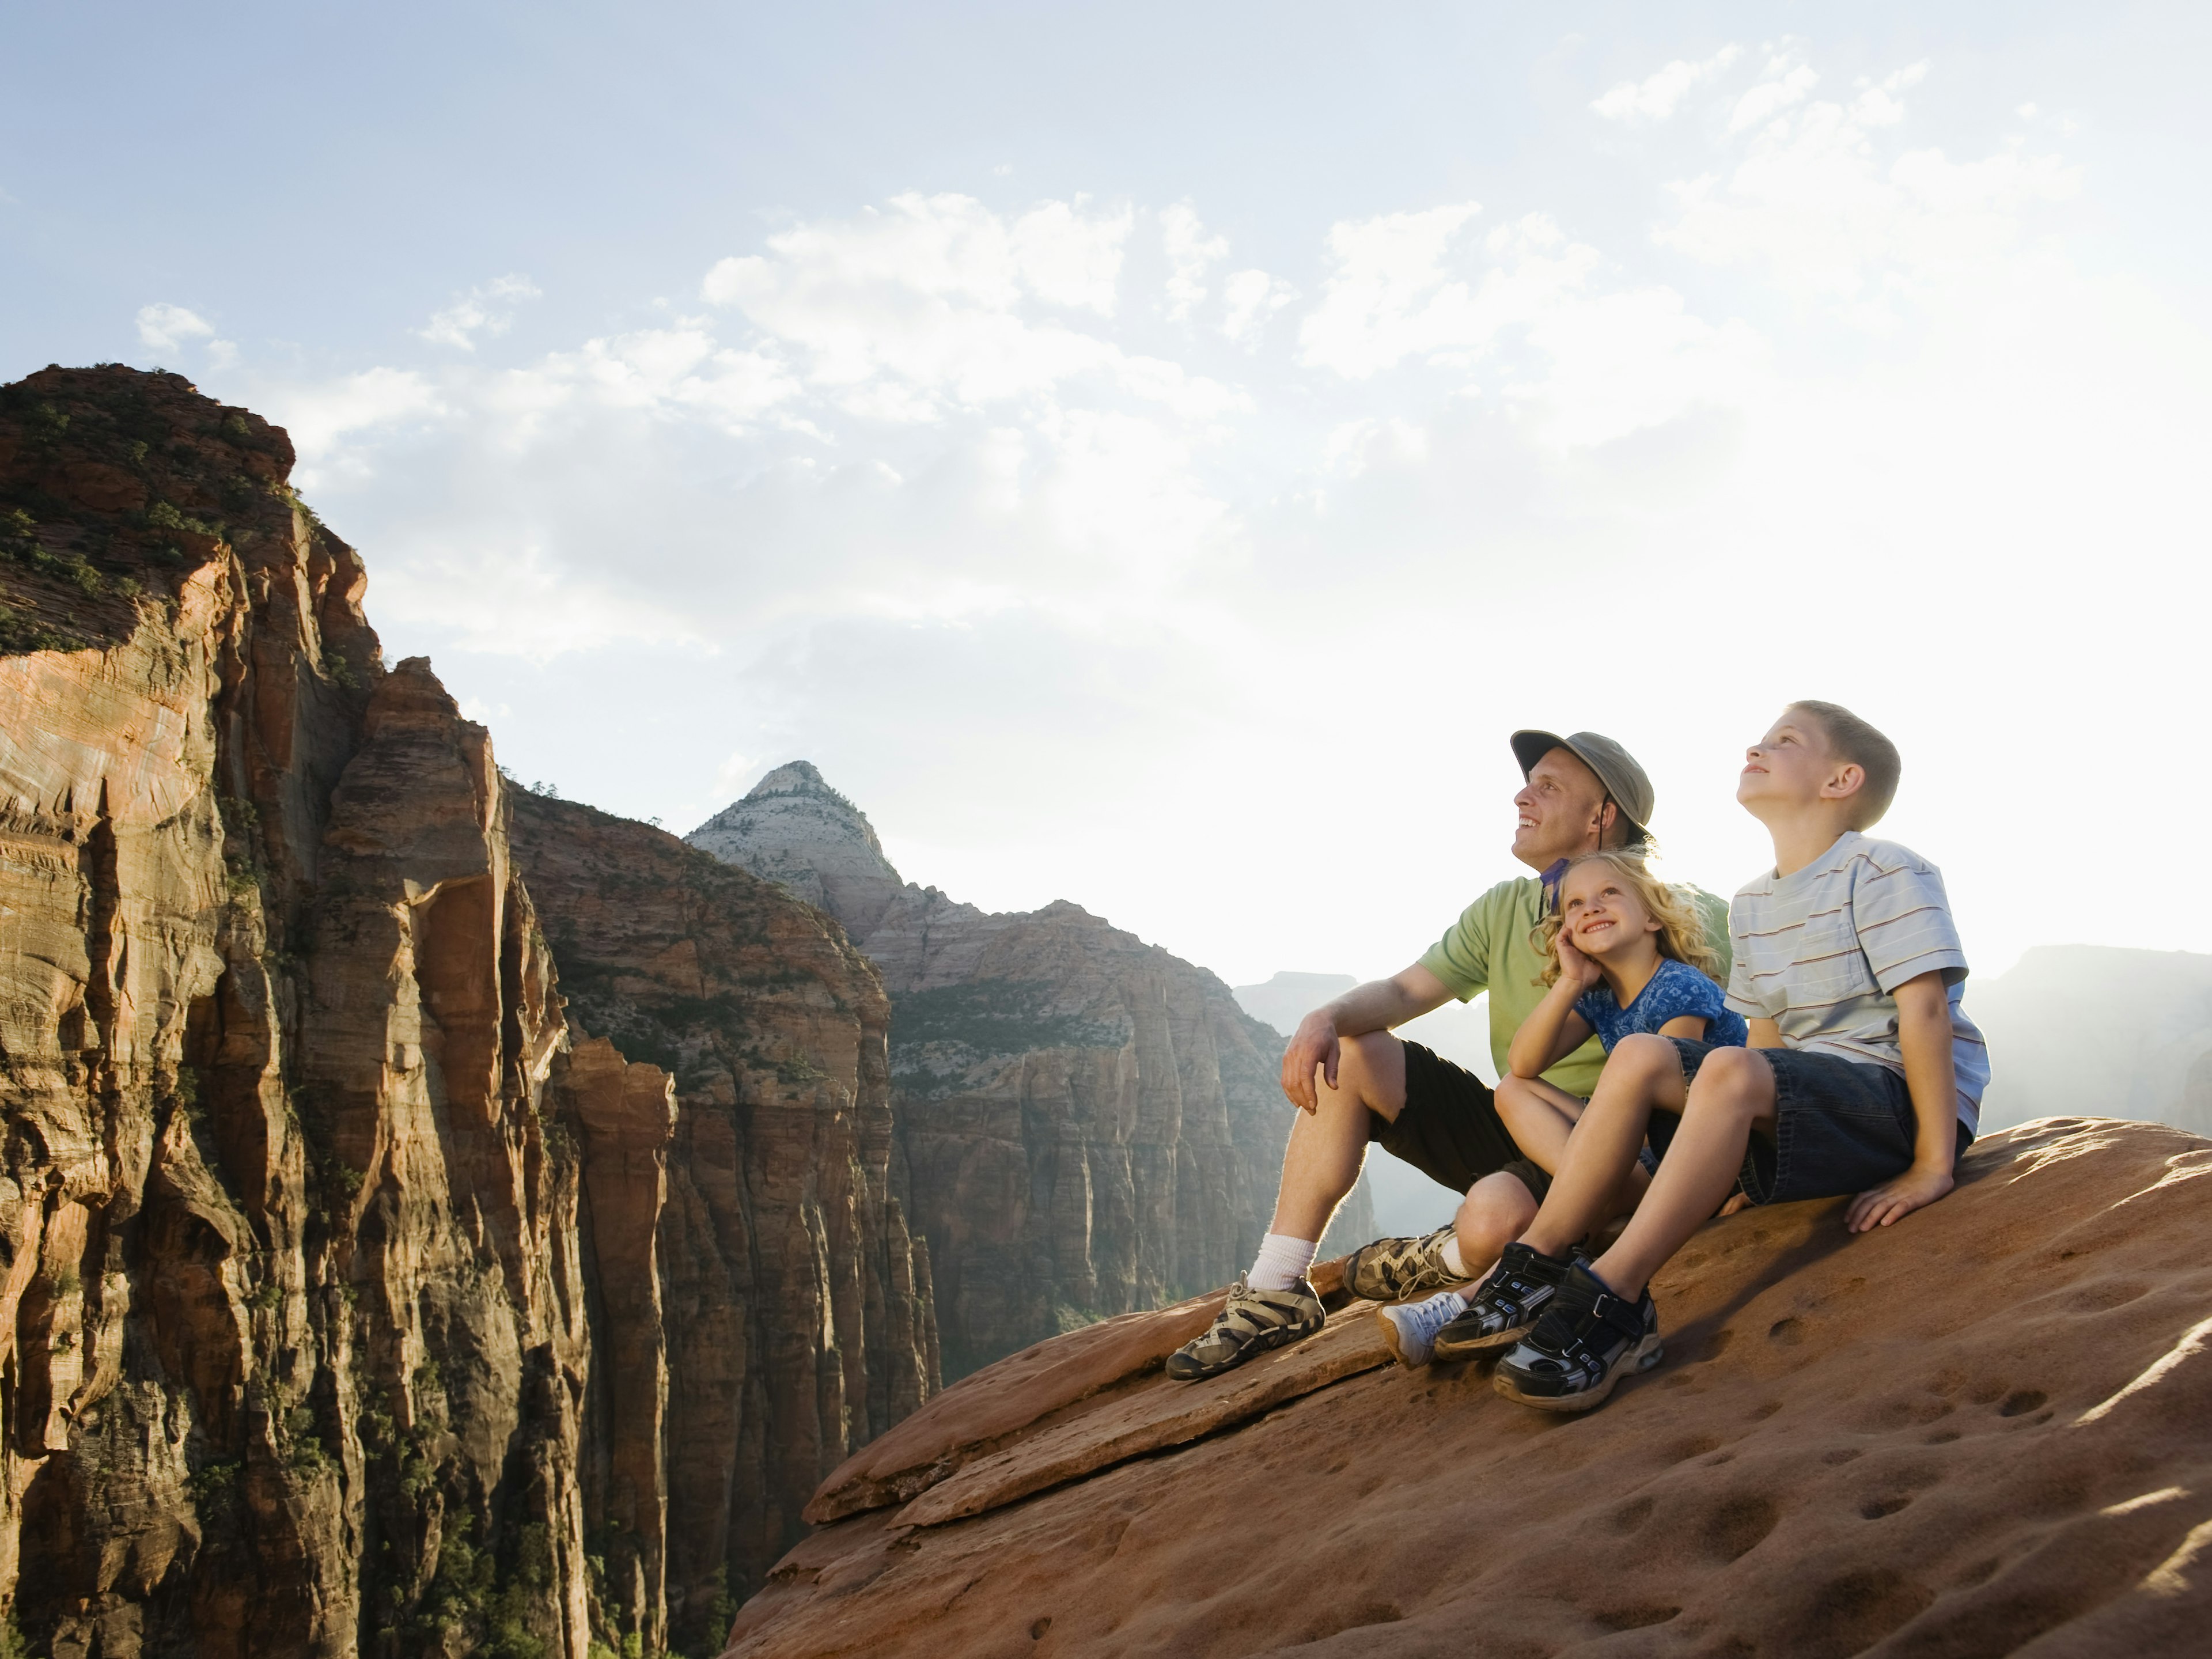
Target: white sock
1452	1257
1281	1262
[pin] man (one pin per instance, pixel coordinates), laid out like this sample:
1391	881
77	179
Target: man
1353	1083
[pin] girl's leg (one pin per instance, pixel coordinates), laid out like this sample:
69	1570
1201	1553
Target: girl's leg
1540	1116
1642	1072
1496	1210
1733	1095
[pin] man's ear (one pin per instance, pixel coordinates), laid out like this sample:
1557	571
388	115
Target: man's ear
1845	782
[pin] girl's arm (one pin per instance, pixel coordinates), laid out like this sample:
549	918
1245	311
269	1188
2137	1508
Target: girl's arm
1551	1033
1691	1026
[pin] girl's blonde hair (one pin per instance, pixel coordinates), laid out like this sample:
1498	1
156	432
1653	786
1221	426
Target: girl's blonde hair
1681	929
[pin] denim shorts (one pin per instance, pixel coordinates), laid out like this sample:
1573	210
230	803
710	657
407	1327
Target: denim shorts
1840	1126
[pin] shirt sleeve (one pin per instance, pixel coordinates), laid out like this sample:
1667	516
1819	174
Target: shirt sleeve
1904	923
1461	958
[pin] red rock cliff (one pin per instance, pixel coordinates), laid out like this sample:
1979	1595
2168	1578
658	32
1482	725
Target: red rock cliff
350	1300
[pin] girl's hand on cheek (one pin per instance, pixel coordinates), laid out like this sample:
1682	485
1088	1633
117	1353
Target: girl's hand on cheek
1575	968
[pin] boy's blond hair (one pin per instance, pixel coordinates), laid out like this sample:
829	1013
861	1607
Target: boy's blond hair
1681	933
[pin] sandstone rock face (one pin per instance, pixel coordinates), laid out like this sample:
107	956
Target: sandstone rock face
796	1320
1978	1432
351	1300
1090	1125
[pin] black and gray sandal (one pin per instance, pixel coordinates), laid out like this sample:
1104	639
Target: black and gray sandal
1507	1307
1588	1339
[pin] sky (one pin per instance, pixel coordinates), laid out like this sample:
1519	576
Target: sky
1154	455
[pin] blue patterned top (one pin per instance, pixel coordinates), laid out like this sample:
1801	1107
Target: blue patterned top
1676	990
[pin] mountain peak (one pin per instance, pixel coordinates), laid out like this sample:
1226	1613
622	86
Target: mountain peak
797	831
798	777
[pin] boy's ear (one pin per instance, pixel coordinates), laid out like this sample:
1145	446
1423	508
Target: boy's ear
1843	782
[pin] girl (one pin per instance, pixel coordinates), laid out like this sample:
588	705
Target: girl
1627	954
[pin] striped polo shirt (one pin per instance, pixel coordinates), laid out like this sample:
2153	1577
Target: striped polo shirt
1819	951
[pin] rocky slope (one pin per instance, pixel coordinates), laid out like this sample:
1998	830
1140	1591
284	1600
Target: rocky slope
351	1299
1091	1126
1978	1432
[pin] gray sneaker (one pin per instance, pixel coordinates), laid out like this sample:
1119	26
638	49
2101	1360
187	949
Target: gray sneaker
1398	1269
1252	1322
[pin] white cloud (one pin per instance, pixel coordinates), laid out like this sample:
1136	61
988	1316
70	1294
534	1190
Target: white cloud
1788	83
947	296
163	327
1389	295
1190	250
319	416
1591	363
1815	200
487	309
1658	97
1356	445
1251	298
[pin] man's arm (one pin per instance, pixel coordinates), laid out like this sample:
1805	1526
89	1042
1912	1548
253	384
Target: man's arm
1374	1006
1924	1039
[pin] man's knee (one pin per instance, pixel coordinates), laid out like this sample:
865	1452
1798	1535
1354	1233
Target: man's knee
1370	1071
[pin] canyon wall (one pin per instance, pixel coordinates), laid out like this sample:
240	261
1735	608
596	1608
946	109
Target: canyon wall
1092	1125
352	1297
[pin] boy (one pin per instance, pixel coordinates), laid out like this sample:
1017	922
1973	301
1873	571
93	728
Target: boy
1863	1075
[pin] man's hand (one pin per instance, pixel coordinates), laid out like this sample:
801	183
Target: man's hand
1577	969
1314	1043
1894	1200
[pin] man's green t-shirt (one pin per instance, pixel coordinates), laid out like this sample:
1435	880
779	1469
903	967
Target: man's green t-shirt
1492	947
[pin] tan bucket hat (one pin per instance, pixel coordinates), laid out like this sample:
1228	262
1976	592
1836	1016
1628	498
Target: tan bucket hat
1616	769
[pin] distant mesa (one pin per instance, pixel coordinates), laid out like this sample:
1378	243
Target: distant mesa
2130	1029
1288	997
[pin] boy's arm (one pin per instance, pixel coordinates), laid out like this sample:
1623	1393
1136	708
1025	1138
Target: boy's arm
1551	1031
1764	1034
1923	1038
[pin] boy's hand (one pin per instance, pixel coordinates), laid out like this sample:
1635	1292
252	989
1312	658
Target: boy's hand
1894	1200
1576	968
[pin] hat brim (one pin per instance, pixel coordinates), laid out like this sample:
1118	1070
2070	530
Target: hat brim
1529	747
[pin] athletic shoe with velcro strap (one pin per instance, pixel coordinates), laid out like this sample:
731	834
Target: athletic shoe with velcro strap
1397	1269
1507	1307
1252	1322
1588	1339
